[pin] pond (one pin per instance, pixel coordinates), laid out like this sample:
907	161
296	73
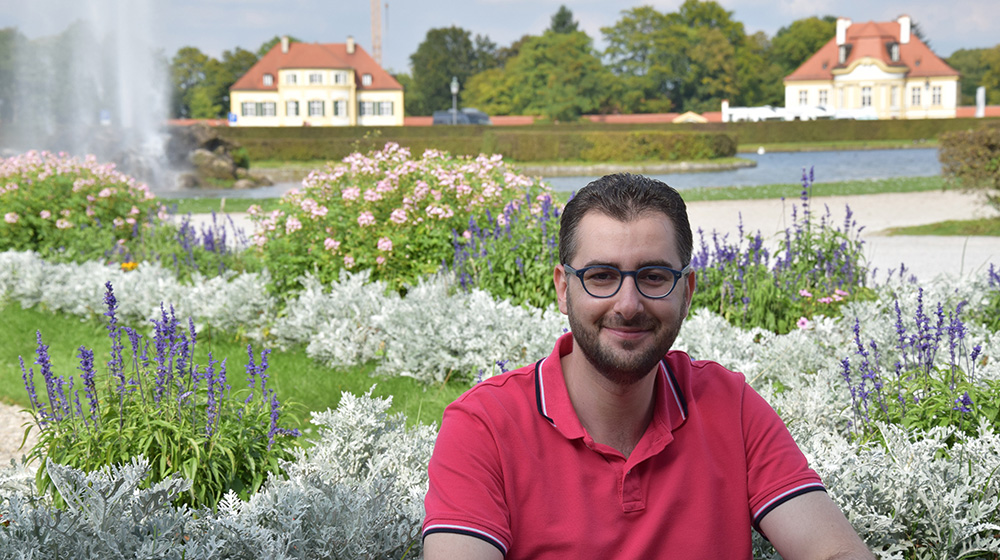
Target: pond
772	168
786	167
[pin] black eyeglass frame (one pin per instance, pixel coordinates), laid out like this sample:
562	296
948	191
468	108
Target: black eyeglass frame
677	274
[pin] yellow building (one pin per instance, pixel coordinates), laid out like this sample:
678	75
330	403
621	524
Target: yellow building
877	71
313	84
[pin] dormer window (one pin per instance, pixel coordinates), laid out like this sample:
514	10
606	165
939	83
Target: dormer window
894	52
366	79
268	79
843	52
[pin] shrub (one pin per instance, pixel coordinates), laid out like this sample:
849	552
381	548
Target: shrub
511	255
161	405
385	212
816	268
971	160
914	392
56	204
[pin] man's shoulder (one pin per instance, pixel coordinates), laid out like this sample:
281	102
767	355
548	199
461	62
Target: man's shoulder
510	389
689	371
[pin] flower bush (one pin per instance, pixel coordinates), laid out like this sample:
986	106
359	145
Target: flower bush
161	405
816	267
56	204
383	211
511	255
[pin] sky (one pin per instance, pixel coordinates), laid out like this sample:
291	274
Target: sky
214	26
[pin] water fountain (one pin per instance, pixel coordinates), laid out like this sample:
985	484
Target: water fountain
98	87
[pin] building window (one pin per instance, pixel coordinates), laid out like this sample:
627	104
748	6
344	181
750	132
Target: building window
315	78
823	98
268	79
936	96
384	108
842	53
268	109
894	52
291	79
291	108
340	78
249	109
366	79
340	108
866	96
803	97
366	108
317	108
915	96
894	96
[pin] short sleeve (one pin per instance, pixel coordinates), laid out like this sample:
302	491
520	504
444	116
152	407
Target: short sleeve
466	492
777	471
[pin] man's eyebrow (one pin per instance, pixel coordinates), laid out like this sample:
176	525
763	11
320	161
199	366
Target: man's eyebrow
656	262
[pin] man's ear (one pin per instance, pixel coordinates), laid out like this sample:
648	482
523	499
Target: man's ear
691	284
561	282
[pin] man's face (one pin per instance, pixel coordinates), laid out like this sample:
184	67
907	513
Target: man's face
624	336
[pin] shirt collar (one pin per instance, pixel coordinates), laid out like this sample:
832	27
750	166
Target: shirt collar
552	397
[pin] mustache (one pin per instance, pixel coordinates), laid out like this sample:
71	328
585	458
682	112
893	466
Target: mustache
643	322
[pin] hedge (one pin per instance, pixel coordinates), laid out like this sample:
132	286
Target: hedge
970	159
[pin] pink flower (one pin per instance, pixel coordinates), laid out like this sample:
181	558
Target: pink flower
380	260
805	293
372	196
63	223
398	216
66	212
349	261
105	192
366	219
467	234
825	300
331	244
802	323
11	217
118	222
350	193
292	224
45	214
840	292
384	244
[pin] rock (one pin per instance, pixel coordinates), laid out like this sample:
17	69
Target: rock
203	156
244	184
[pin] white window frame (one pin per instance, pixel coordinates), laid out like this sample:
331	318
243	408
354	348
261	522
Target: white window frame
339	108
291	79
366	108
894	96
314	104
268	109
936	96
248	108
366	79
383	108
915	97
291	108
339	78
824	97
803	97
268	79
315	78
866	96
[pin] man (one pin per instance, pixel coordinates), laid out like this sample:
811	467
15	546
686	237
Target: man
613	447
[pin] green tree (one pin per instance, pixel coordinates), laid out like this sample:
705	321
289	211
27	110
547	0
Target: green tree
759	80
562	21
794	44
266	46
556	75
972	65
187	72
445	52
639	52
991	75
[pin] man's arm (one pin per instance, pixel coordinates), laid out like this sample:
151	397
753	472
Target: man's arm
810	527
452	546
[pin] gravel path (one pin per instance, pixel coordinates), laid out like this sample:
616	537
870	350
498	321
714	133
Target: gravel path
12	421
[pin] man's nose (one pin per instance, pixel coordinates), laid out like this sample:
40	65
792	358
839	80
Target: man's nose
628	300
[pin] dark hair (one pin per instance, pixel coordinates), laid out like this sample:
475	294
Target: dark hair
625	197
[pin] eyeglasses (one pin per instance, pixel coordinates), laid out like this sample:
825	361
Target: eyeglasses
603	281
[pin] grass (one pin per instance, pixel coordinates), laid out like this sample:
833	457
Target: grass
983	227
296	377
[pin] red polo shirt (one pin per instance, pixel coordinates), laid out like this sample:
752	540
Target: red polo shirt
513	466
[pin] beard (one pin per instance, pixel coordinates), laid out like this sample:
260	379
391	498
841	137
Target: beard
631	361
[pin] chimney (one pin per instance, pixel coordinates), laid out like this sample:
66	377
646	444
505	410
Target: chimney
904	29
725	110
284	44
350	44
842	25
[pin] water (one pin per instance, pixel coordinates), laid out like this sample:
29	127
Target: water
96	87
786	167
772	168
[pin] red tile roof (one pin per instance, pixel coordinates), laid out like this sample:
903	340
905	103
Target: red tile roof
318	56
871	39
